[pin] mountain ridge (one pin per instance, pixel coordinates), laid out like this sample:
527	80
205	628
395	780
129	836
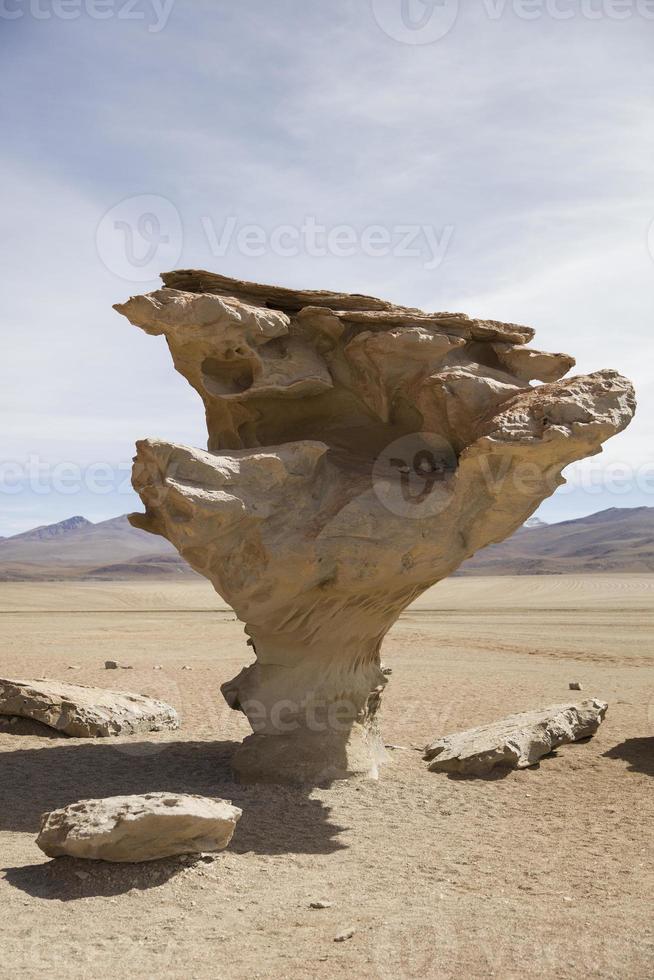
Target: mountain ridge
618	539
612	540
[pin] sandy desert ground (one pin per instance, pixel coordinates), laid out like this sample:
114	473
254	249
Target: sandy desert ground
542	873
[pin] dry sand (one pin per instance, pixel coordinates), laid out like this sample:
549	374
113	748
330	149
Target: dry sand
543	873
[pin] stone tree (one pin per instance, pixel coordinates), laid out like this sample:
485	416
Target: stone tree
358	453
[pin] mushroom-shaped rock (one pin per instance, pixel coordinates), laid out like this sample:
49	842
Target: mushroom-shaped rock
358	452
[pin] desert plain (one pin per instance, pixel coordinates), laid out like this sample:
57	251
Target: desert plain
545	872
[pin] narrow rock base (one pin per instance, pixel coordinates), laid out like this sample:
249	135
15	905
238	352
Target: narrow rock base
302	758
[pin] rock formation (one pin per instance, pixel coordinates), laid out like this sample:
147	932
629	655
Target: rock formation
85	712
515	742
138	828
358	452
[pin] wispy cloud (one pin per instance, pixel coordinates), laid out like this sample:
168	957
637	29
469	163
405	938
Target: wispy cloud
532	140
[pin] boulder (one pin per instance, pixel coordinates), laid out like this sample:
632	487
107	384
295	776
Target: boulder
515	742
138	828
85	712
358	452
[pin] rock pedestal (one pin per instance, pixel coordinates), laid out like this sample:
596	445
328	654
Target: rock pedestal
358	452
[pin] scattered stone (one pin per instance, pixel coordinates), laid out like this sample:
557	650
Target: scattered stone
515	742
157	667
74	667
575	686
138	828
185	667
320	905
116	665
342	936
396	748
85	712
386	671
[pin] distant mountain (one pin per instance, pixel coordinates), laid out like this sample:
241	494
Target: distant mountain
76	548
614	540
47	531
534	522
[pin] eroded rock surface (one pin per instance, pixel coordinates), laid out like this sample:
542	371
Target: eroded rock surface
515	742
138	828
85	712
358	452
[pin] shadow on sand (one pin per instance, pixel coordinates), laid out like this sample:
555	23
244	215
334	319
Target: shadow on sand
276	819
637	752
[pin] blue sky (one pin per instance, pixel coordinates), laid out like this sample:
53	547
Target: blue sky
519	149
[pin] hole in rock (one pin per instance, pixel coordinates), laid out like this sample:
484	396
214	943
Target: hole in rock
228	376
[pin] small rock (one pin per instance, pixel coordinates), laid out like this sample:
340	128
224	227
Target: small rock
74	667
574	686
393	748
386	671
516	742
85	712
185	667
116	665
82	875
342	936
138	828
157	667
320	905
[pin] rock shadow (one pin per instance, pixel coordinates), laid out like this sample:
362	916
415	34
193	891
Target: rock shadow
276	819
637	752
67	879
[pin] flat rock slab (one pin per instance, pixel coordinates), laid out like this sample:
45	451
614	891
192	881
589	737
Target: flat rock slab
138	828
515	742
85	712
